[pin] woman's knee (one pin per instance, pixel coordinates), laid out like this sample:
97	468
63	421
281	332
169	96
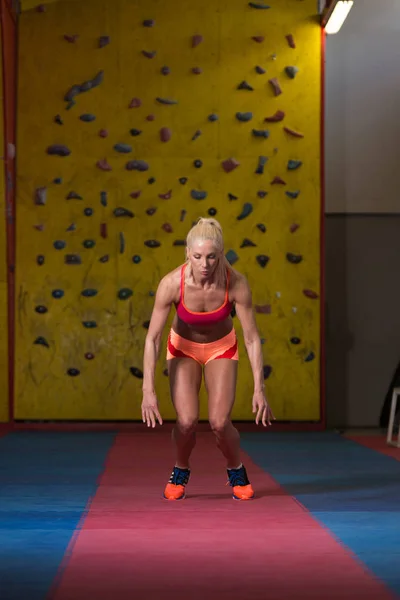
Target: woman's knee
219	425
186	425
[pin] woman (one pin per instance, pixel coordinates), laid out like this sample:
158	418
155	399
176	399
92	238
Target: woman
202	339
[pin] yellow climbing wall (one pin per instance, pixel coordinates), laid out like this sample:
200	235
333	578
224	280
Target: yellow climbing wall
75	371
3	279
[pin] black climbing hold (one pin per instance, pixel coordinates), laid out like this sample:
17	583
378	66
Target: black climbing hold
310	356
123	148
59	244
74	196
151	211
146	324
262	161
231	257
58	120
295	340
295	259
151	180
104	259
84	87
294	164
57	180
148	23
57	294
71	227
165	70
103	198
136	372
247	243
232	197
262	193
261	133
197	163
291	72
73	372
179	243
246	211
260	70
212	212
41	341
292	195
89	292
41	310
137	165
72	259
244	116
121	242
261	227
267	370
89	243
124	293
123	212
88	212
198	195
183	180
89	324
58	150
135	132
87	117
40	259
136	259
213	117
245	86
89	356
166	101
104	40
182	215
262	260
152	244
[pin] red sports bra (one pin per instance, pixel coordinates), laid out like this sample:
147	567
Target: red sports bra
202	318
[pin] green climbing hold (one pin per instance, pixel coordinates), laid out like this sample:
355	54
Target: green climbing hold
89	243
41	341
124	293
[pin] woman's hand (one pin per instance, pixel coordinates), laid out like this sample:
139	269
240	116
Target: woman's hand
150	412
261	407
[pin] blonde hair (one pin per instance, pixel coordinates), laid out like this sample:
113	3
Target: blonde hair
210	229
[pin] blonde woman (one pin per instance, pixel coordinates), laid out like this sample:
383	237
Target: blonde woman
202	340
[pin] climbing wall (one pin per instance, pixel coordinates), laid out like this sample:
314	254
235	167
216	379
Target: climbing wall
3	277
134	119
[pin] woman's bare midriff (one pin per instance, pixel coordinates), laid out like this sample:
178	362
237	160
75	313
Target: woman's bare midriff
202	335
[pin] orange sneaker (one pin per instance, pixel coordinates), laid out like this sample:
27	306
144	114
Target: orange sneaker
175	488
238	480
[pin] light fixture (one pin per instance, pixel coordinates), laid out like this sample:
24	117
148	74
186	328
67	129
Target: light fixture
335	14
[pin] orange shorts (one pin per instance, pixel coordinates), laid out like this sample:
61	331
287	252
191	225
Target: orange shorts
179	347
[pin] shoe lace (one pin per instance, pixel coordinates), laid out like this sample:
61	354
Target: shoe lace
237	477
179	476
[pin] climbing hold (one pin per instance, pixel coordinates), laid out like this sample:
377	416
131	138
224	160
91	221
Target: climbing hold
294	309
88	244
295	259
291	72
105	258
40	196
136	259
244	116
166	101
261	227
73	372
58	120
88	212
71	38
57	294
278	180
230	164
135	132
294	164
151	211
198	195
84	87
59	244
258	38
262	193
41	341
89	292
183	180
87	117
165	196
165	134
103	198
262	161
148	54
290	40
232	197
197	163
58	150
246	211
212	212
39	227
58	180
231	257
151	180
72	259
197	70
165	70
150	118
135	103
295	340
293	132
262	260
146	324
260	70
103	133
123	148
292	194
310	294
70	105
121	242
136	372
243	85
212	117
276	117
137	165
310	356
152	244
41	310
260	133
167	227
74	196
41	8
263	309
267	370
89	324
258	5
196	40
294	227
40	259
179	243
135	194
247	243
104	40
182	215
103	165
124	293
275	86
71	227
89	356
123	212
196	134
148	23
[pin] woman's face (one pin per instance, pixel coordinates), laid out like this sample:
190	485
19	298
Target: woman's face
203	257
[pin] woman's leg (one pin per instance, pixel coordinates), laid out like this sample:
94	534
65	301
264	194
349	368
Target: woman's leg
220	379
185	381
